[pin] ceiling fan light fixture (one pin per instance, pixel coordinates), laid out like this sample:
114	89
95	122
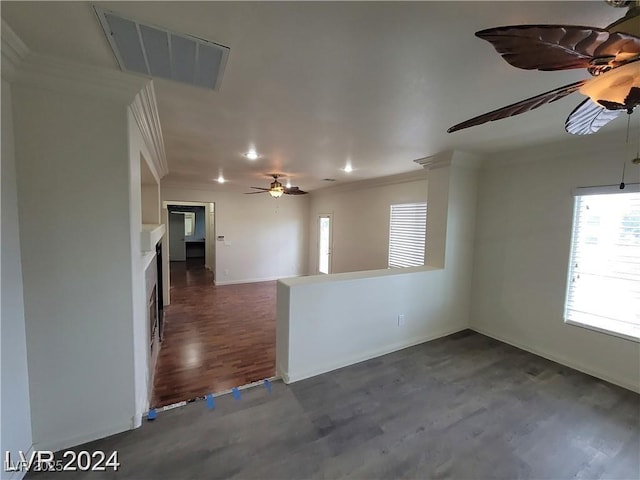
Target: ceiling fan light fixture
276	192
613	86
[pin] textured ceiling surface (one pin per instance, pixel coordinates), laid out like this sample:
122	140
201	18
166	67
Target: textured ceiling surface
313	86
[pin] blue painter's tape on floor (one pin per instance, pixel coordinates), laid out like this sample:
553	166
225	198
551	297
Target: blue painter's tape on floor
236	393
152	414
211	403
267	385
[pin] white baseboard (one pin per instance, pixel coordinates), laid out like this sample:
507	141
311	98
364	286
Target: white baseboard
254	280
561	360
62	444
289	377
283	375
14	475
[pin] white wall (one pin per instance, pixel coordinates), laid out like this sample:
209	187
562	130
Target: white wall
150	204
15	420
360	219
265	238
75	231
329	321
522	248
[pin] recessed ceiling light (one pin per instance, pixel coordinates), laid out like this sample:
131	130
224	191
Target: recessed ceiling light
252	155
221	179
348	168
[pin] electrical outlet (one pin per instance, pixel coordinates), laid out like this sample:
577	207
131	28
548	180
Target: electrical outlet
400	320
226	272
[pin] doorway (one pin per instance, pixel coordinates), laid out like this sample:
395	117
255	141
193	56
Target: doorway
187	234
324	243
216	337
190	239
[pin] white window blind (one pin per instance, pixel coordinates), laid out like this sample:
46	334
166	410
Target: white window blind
407	231
604	272
189	223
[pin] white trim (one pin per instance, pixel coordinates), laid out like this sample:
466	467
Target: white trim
562	360
256	280
57	445
166	203
457	158
289	377
14	51
283	375
213	187
57	74
150	235
606	331
147	258
412	176
439	160
145	111
605	189
137	418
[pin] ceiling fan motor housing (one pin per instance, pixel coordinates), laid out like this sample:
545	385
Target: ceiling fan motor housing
612	89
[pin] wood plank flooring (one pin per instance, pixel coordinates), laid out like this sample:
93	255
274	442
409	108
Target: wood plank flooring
215	337
460	407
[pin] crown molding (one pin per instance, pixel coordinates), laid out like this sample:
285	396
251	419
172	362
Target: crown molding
406	177
58	74
145	111
14	51
439	160
212	187
457	158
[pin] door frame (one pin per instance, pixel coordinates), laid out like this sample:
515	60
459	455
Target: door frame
209	247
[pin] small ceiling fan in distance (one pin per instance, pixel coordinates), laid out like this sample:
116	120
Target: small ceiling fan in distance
276	189
611	55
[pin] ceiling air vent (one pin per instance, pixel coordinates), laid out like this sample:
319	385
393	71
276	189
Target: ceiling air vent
157	52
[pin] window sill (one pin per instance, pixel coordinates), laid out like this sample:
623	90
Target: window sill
626	336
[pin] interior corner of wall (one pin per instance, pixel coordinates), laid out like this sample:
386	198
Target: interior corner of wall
464	159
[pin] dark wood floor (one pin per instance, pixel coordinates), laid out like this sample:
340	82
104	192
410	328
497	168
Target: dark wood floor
215	337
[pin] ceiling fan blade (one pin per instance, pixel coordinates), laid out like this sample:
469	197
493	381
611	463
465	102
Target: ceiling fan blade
260	188
559	47
520	107
633	99
294	191
630	102
589	117
253	193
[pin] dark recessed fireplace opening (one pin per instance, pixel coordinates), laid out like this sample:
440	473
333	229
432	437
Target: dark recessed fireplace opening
160	290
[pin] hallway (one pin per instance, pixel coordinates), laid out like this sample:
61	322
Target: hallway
215	337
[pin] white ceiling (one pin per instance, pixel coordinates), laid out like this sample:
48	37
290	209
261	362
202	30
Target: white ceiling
313	86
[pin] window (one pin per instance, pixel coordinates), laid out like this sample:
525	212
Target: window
407	229
189	223
603	291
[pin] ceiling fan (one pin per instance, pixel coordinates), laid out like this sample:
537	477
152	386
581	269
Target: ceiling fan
276	189
610	55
